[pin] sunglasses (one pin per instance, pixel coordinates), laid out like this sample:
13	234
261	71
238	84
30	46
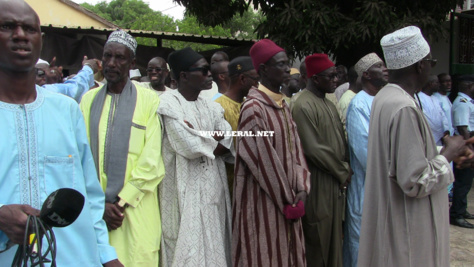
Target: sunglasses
432	61
40	72
204	70
156	69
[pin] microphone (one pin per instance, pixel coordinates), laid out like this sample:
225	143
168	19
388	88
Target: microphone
62	207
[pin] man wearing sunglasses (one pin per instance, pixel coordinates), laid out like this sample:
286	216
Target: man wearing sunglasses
157	71
194	195
325	148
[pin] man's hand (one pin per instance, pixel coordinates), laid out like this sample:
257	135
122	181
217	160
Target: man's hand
95	64
113	263
54	74
189	124
301	195
466	158
113	216
219	136
13	221
344	185
455	147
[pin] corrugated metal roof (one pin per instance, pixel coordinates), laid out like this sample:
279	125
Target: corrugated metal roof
176	36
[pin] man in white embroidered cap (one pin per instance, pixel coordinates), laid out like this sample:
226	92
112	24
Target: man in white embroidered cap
405	220
125	136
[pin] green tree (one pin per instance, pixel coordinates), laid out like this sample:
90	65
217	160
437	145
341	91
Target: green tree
137	15
348	29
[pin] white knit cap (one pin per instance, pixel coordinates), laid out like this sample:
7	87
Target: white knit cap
122	37
404	47
366	62
40	61
135	73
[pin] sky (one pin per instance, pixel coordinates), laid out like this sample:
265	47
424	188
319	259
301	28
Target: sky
167	7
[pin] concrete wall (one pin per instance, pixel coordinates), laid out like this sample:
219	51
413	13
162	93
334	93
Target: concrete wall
58	13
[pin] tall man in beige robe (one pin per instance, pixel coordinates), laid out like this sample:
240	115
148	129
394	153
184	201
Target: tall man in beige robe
325	149
405	219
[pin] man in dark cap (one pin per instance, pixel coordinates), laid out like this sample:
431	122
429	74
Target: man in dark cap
194	195
242	77
44	148
325	149
125	135
271	175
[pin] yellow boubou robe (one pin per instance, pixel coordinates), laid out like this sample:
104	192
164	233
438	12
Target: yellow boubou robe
137	241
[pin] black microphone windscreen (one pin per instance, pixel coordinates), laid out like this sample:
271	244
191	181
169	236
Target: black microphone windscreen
62	207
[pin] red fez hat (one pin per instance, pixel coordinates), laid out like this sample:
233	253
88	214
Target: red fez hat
262	51
317	63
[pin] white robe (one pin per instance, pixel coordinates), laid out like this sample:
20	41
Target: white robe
194	195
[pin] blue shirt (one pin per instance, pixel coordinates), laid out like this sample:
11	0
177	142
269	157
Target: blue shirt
75	87
435	116
463	112
446	106
44	147
357	127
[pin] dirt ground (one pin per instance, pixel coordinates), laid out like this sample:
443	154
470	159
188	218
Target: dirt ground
462	240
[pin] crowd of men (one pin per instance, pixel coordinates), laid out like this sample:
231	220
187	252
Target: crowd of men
355	171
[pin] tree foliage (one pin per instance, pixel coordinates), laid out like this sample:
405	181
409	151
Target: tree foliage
137	15
348	29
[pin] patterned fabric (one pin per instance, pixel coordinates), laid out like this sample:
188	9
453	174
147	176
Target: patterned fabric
194	195
404	47
122	37
269	171
44	147
365	63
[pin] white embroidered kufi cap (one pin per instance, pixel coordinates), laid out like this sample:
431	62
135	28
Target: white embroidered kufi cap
40	61
366	62
404	47
121	37
135	73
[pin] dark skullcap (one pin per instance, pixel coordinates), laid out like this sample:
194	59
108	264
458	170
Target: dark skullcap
182	60
240	65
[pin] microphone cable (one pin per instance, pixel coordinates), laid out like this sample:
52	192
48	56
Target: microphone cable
30	253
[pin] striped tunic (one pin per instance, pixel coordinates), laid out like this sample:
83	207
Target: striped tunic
269	172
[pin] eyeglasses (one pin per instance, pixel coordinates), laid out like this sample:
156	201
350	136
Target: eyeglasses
432	61
253	78
156	69
204	70
333	76
40	72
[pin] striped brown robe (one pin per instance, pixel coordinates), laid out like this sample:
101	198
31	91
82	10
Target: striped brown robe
269	171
